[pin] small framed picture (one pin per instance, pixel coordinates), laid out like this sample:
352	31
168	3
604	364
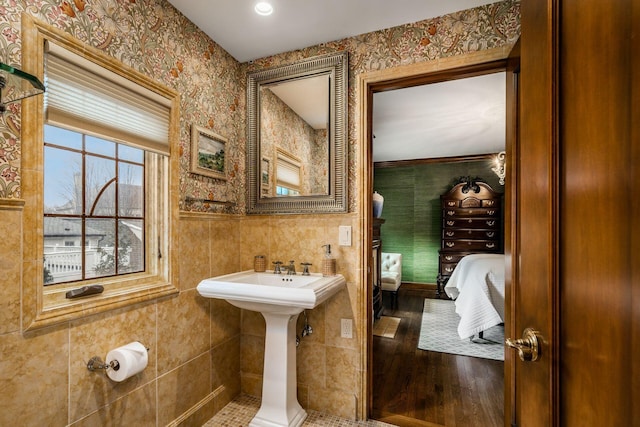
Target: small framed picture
208	153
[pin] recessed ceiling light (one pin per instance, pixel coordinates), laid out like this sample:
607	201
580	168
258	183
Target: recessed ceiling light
263	8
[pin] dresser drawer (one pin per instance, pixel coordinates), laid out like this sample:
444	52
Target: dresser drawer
491	223
471	212
446	268
449	258
470	245
469	233
490	203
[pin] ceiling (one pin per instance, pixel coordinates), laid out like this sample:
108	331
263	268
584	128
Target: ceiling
455	118
295	24
308	98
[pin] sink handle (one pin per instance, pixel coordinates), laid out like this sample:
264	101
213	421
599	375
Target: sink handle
276	268
305	268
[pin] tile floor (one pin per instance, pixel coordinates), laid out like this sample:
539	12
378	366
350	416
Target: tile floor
240	411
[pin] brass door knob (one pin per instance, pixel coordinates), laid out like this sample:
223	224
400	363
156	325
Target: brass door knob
528	346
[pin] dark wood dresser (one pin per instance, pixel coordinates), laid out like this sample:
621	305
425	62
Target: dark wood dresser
471	224
376	251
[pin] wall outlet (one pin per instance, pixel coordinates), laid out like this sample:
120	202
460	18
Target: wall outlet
346	328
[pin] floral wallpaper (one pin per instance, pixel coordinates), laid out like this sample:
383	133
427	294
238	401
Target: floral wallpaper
319	177
151	36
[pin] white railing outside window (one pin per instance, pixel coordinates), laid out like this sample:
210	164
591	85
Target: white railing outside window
64	263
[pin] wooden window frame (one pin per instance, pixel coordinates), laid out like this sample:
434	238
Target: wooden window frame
44	307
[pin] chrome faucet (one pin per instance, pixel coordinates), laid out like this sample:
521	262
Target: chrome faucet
291	270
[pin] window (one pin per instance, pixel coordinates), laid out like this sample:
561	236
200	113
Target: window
93	192
288	174
99	182
284	191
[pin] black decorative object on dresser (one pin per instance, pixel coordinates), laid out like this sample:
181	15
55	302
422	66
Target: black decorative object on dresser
471	224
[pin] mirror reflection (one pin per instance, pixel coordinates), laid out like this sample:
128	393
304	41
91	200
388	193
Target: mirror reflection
296	133
294	139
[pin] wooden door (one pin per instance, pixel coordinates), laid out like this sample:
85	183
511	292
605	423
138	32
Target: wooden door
599	308
575	243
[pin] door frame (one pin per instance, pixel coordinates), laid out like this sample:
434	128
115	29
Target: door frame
468	65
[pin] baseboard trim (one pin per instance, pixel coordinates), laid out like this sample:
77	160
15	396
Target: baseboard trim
402	421
418	286
195	408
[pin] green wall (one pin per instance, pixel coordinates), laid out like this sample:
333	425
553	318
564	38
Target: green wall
412	210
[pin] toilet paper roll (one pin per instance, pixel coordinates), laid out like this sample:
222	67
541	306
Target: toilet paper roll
131	360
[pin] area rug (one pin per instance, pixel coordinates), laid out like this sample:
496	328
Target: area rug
386	326
439	332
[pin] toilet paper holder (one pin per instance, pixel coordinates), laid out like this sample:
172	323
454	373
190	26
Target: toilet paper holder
96	363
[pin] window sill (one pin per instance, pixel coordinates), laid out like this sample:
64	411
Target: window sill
58	309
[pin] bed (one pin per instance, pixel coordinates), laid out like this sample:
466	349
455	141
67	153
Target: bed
477	286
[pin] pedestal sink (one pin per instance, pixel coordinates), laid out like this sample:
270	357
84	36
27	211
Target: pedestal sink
280	298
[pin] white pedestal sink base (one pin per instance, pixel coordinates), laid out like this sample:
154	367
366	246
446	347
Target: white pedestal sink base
280	299
279	407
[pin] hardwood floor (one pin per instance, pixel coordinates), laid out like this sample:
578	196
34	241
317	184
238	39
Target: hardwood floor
413	387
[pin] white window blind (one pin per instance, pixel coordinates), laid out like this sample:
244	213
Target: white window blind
85	96
288	173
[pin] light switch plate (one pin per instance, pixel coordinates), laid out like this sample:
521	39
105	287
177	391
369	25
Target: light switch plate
344	235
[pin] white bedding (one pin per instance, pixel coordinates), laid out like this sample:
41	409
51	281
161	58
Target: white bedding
477	286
